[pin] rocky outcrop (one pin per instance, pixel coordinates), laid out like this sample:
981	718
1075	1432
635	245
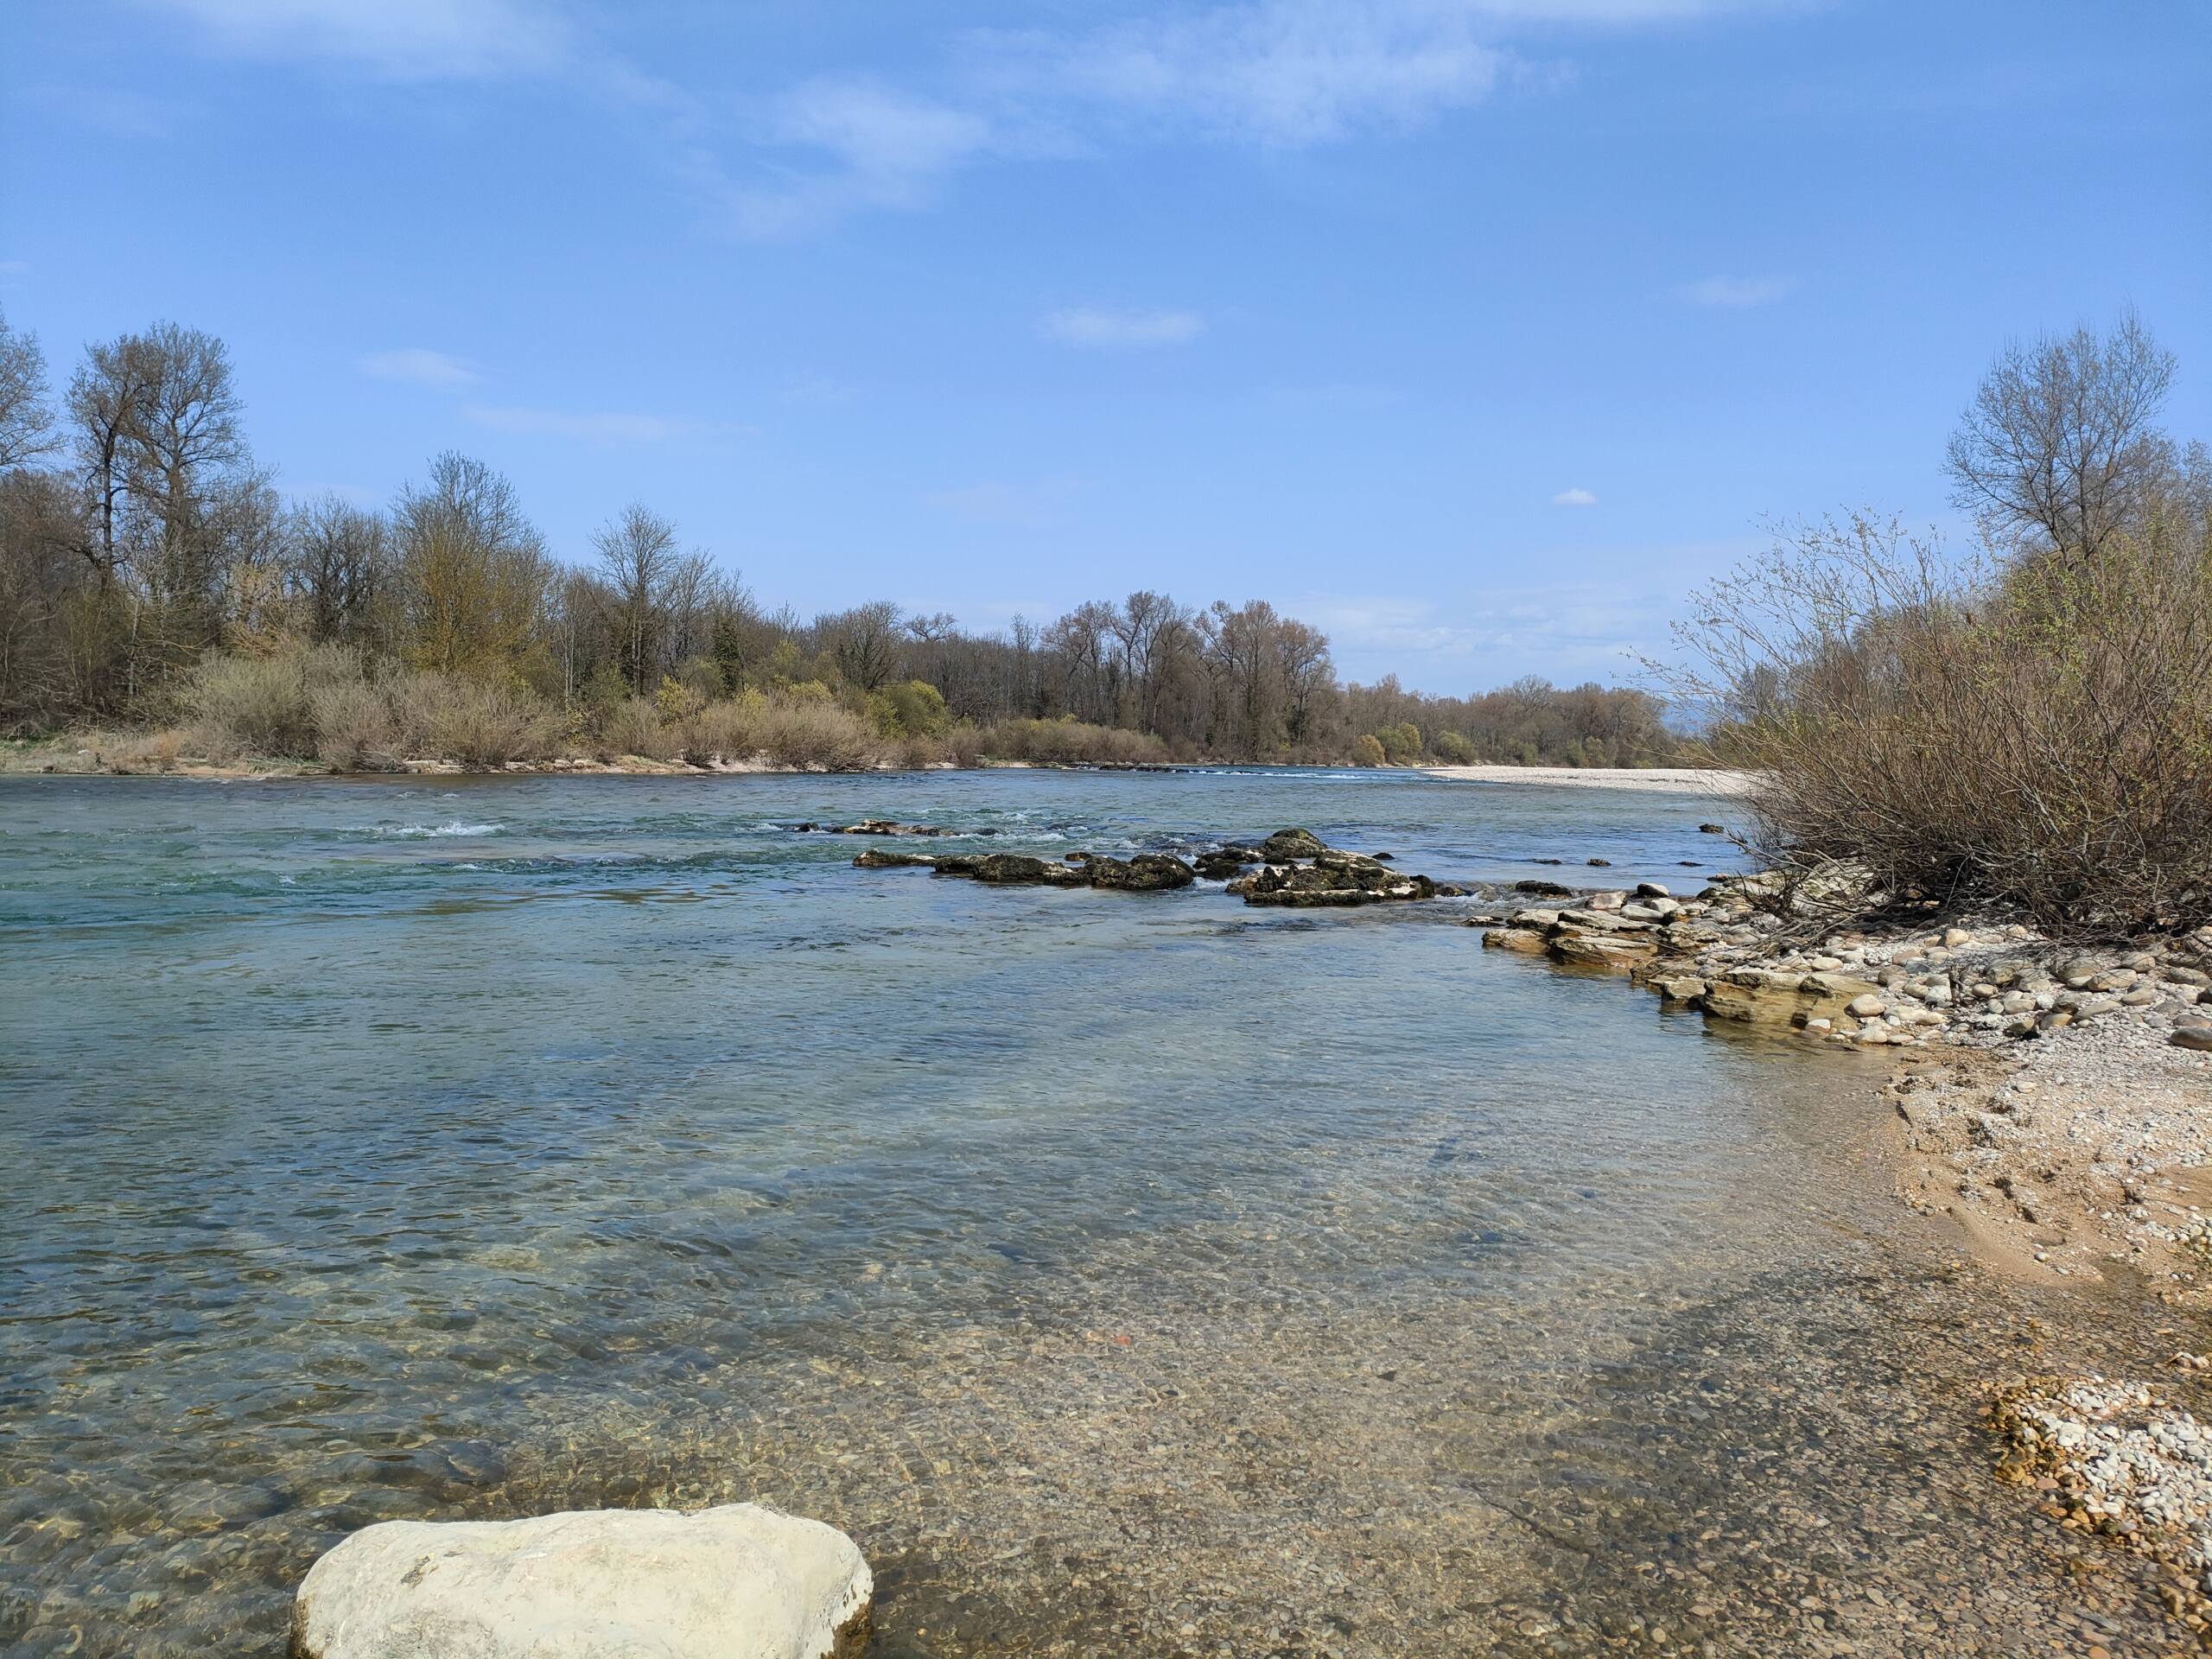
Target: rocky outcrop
878	858
1227	863
1334	878
737	1582
1285	845
1146	873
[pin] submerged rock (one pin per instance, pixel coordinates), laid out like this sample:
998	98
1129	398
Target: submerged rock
877	858
1011	870
1543	889
1333	879
736	1582
890	827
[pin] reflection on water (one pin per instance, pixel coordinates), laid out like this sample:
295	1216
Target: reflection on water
1126	1272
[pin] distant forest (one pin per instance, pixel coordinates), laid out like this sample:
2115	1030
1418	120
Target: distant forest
150	574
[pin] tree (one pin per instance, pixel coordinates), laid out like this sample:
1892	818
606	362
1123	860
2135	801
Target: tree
863	642
340	559
473	572
637	558
2059	442
26	419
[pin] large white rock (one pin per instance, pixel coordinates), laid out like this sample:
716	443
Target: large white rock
737	1582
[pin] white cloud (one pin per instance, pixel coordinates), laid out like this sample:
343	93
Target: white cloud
412	39
600	428
1090	327
878	148
418	366
1575	498
1735	293
1278	72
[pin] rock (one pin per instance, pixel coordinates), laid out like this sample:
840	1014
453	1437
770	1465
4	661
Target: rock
1146	873
878	858
2077	974
1226	863
1598	863
2193	1036
1953	938
1713	828
888	826
1602	951
1333	877
1866	1006
1679	987
1286	844
1543	889
1014	869
1607	901
1526	940
737	1582
1651	890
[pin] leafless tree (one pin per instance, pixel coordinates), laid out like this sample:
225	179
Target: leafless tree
26	419
637	558
341	565
2059	446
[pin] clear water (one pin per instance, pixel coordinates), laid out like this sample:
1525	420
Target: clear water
1128	1272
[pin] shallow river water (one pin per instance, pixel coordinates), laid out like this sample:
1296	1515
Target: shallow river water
1127	1273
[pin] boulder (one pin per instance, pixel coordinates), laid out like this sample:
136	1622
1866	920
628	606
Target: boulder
1346	879
1543	889
1599	951
889	827
736	1582
1713	828
1526	940
1226	863
2193	1036
1014	869
1287	844
878	858
1146	873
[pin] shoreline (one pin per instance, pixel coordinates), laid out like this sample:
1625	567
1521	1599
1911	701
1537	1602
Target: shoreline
1717	782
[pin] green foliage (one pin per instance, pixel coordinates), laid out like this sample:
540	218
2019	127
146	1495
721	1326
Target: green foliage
1452	748
1367	750
913	709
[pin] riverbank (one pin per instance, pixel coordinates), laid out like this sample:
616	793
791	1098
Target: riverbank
2054	1117
1662	780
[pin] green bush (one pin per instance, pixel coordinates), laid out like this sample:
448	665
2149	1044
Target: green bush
1367	750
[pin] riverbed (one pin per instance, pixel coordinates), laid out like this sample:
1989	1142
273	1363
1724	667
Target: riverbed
1135	1273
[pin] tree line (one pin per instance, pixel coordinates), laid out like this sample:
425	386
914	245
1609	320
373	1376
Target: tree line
141	545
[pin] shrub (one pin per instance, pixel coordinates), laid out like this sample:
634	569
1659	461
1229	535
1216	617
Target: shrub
354	730
265	705
633	726
1367	750
1067	741
728	731
813	734
481	724
1452	749
675	701
2032	731
915	708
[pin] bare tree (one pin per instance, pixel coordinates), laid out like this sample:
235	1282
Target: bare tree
864	642
637	558
2059	442
26	419
339	558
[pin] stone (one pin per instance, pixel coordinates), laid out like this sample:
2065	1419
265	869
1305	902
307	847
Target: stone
878	858
886	827
1603	952
1679	987
1866	1006
1014	869
2198	1038
1651	890
1598	863
1543	889
1526	940
1287	844
1713	828
1146	873
736	1582
1953	938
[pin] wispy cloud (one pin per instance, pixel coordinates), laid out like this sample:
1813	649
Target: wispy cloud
1735	293
1575	498
873	147
1097	329
605	428
416	366
1282	72
1028	506
410	40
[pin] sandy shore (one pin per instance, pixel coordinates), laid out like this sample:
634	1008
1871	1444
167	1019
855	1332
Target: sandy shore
1659	780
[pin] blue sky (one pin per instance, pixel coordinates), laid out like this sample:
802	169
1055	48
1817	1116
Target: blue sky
1476	331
